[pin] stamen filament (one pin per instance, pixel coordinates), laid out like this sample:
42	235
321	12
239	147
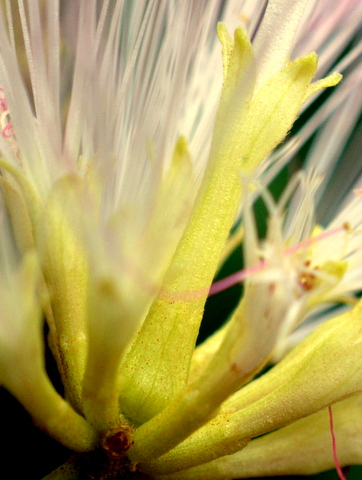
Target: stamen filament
334	446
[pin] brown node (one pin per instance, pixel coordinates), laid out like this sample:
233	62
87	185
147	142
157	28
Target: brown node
117	441
109	461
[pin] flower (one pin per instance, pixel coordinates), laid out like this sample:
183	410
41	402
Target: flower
121	179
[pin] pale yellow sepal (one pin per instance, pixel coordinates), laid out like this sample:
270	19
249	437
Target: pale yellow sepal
31	199
227	47
248	126
273	110
66	272
158	348
326	82
168	214
25	209
236	55
23	204
19	214
246	131
302	448
110	328
239	78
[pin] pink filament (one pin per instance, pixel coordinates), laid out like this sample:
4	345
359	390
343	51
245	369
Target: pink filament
5	132
334	446
238	277
3	103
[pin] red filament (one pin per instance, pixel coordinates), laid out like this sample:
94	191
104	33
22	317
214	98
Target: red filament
334	446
